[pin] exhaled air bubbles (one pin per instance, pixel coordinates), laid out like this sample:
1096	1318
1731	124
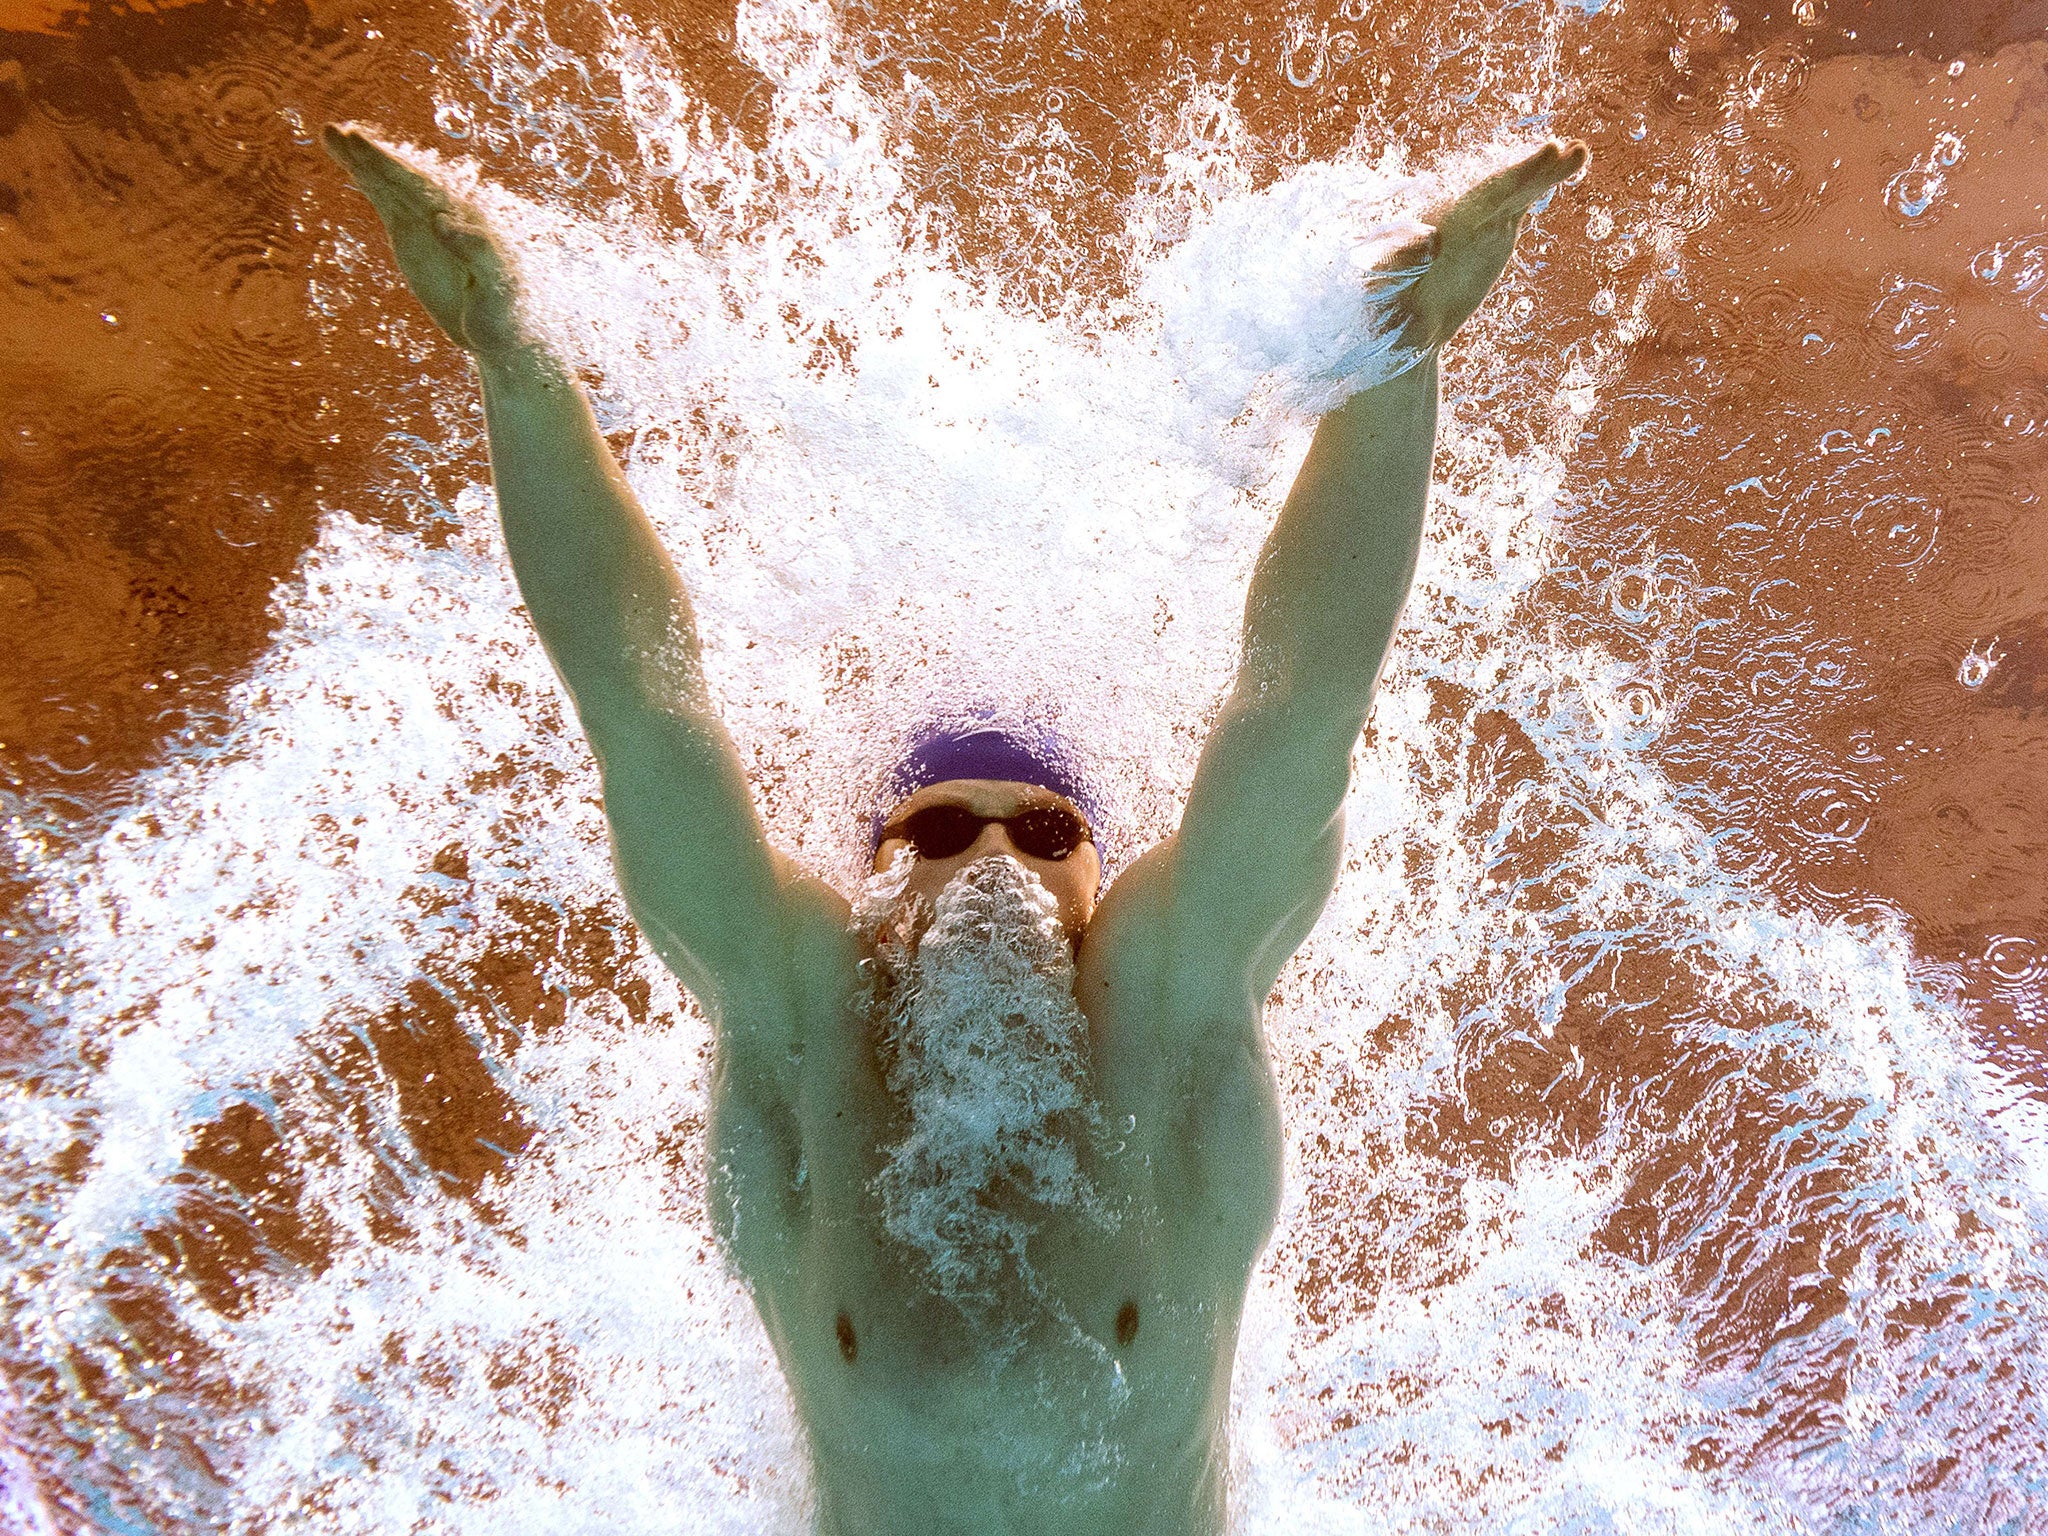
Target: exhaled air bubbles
1603	302
1913	194
1902	529
1979	664
1639	128
652	101
1639	594
1631	596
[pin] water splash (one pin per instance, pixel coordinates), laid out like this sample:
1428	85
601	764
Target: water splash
1521	1282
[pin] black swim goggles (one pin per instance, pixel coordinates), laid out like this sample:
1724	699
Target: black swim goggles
942	831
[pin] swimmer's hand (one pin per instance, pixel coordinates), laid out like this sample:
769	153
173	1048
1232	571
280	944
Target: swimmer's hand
1473	240
451	261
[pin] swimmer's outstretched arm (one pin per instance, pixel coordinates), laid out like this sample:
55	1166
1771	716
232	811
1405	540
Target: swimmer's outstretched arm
1260	842
713	898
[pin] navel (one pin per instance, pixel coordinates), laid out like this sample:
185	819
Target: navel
849	1346
1127	1323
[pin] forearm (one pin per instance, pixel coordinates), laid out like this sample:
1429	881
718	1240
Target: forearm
603	595
1330	583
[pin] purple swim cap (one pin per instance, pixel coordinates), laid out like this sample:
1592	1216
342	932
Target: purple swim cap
977	748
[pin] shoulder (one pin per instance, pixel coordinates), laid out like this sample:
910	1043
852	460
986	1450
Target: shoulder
1155	944
1176	1022
780	991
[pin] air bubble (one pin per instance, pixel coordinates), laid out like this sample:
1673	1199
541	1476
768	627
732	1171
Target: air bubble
1599	224
1642	713
1832	813
454	119
2021	411
1302	76
1912	318
2016	267
1915	190
1603	302
1978	665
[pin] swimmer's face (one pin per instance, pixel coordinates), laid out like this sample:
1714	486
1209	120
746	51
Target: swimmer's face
1072	880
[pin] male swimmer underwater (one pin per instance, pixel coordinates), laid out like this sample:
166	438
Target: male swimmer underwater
996	1158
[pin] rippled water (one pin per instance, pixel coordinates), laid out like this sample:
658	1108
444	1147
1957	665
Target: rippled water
1664	1084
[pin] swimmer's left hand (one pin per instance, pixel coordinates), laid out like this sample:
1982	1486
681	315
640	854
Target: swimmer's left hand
1474	238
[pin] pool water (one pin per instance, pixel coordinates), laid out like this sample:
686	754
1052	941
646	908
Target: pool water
1665	1083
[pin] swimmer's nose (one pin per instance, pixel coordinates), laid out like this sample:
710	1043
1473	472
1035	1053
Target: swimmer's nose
994	839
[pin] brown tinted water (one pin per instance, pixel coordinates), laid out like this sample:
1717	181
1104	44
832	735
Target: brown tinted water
1788	345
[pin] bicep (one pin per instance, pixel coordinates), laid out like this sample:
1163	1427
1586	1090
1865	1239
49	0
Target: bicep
1261	839
724	911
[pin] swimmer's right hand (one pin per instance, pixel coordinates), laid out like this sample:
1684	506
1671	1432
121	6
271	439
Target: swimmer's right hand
450	260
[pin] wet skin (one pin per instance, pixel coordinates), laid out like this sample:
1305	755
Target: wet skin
1110	1418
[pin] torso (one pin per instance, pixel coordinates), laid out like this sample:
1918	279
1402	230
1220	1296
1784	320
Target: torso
1096	1404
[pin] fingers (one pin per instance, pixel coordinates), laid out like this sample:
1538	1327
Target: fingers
1510	193
381	176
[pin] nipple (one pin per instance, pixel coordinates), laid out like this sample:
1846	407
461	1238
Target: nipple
849	1346
1126	1323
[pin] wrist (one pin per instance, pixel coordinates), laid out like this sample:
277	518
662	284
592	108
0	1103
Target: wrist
521	362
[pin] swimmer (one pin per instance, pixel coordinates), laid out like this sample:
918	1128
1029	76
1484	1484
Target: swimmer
995	1152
